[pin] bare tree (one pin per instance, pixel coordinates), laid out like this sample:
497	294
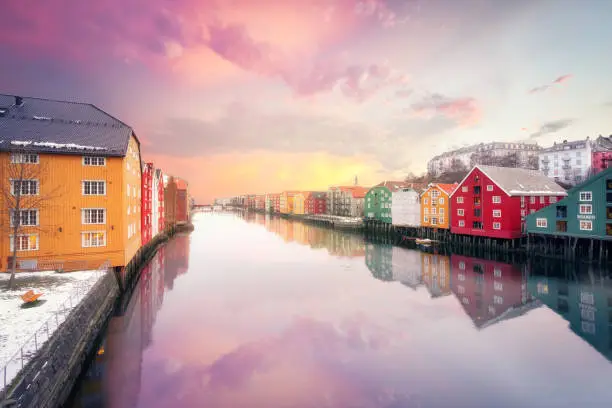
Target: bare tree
20	190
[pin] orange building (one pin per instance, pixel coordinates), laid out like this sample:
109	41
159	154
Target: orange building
76	173
435	207
286	201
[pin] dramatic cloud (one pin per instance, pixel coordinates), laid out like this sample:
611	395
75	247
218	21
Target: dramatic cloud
464	111
242	129
552	127
542	88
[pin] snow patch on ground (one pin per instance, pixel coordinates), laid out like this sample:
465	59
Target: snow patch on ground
61	293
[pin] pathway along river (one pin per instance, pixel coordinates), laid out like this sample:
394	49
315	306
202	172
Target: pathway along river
265	312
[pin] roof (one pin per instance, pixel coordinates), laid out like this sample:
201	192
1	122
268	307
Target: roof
565	145
60	127
180	183
517	181
604	173
393	185
359	192
446	187
318	194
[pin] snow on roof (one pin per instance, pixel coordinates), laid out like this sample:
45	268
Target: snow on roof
393	185
54	145
518	181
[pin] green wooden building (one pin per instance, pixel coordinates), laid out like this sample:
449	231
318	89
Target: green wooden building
586	212
377	204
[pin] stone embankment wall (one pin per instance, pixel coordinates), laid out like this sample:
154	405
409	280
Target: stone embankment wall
48	379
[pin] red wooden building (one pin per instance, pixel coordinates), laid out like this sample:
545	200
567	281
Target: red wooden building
493	201
275	202
146	203
182	200
158	211
315	203
260	202
489	291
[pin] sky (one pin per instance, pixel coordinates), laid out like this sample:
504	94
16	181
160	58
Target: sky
256	96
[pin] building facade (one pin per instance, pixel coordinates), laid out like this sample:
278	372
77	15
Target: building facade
435	274
76	171
586	212
157	208
601	155
346	201
316	203
146	212
378	200
183	201
299	202
435	205
406	208
286	201
493	201
483	153
567	162
260	202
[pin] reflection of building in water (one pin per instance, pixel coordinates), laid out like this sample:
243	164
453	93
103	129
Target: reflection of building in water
300	233
316	237
405	267
260	219
379	260
586	306
176	259
489	291
113	378
344	245
286	230
435	272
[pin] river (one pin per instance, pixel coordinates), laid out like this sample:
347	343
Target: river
266	312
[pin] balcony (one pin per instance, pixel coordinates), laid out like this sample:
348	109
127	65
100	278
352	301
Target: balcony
477	212
476	189
566	167
546	161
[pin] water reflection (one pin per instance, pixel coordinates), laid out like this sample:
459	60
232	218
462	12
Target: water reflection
583	298
267	322
114	376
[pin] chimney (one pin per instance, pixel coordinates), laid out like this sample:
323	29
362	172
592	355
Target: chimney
18	101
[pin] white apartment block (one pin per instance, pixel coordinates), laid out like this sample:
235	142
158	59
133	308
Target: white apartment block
567	162
442	163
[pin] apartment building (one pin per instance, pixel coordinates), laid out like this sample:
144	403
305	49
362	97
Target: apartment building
72	177
568	162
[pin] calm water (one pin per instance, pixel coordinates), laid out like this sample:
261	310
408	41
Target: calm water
272	313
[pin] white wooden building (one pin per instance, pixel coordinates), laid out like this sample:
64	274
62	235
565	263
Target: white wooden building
406	207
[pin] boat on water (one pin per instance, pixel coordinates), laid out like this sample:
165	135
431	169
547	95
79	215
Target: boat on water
425	242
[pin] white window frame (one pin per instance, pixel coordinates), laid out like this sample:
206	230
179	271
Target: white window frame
12	242
542	222
496	199
584	224
497	225
83	183
542	199
441	200
94	161
86	244
586	196
433	211
464	189
459	200
498	286
441	220
25	158
532	200
13	181
425	219
497	214
426	201
425	211
434	221
460	212
84	217
489	187
461	223
552	200
21	224
128	190
441	211
585	207
498	300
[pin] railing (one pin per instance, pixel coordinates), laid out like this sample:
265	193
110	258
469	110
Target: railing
36	341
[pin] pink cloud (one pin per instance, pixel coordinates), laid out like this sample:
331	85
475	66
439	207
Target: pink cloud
464	111
558	80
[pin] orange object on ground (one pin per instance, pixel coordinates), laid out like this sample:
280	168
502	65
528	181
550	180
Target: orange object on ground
30	296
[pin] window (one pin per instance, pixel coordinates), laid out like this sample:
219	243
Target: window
93	161
433	210
552	200
496	199
459	200
25	242
460	288
498	286
586	209
461	223
477	212
94	187
128	190
490	187
609	184
440	211
523	212
426	211
498	300
127	164
426	201
93	239
24	187
425	219
441	200
477	225
434	221
93	216
441	220
462	267
532	200
541	222
435	194
497	272
24	158
586	225
496	213
497	225
464	189
27	218
586	196
542	199
460	212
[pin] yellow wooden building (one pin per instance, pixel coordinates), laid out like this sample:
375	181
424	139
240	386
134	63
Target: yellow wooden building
299	202
435	208
287	201
77	174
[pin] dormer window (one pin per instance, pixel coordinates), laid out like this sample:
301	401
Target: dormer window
94	161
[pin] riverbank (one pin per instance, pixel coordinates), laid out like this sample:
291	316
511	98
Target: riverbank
49	375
